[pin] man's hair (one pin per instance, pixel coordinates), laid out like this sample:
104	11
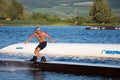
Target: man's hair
37	28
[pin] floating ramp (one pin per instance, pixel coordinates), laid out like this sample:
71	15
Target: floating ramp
68	67
67	49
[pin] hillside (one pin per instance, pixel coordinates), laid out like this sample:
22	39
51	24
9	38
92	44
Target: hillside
50	3
64	7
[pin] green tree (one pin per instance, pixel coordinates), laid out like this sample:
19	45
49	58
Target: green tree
17	10
4	7
38	16
79	20
53	18
101	12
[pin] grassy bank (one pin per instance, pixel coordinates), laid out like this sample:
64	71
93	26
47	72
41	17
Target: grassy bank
33	22
57	23
100	24
24	22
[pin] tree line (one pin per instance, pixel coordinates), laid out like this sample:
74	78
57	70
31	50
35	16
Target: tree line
100	12
11	9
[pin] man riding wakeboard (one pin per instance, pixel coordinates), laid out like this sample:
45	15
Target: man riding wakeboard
41	37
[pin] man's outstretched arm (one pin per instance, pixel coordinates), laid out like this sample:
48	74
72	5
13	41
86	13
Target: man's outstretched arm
29	38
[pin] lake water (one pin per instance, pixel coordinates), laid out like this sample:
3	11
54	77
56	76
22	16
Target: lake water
69	34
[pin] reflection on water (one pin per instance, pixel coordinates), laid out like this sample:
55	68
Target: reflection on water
37	75
41	75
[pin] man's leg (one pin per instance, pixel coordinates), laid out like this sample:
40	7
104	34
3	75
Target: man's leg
34	59
43	59
37	50
35	55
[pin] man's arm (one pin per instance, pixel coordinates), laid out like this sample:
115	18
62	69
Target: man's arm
29	38
48	36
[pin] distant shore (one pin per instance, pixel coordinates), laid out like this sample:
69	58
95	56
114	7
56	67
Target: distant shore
47	23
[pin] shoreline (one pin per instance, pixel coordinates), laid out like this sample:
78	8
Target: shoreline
86	27
29	23
99	25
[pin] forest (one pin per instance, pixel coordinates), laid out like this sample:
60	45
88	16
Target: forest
36	12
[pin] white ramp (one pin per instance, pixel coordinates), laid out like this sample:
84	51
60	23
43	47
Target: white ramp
67	49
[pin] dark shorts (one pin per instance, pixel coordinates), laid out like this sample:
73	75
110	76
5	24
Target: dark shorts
42	45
